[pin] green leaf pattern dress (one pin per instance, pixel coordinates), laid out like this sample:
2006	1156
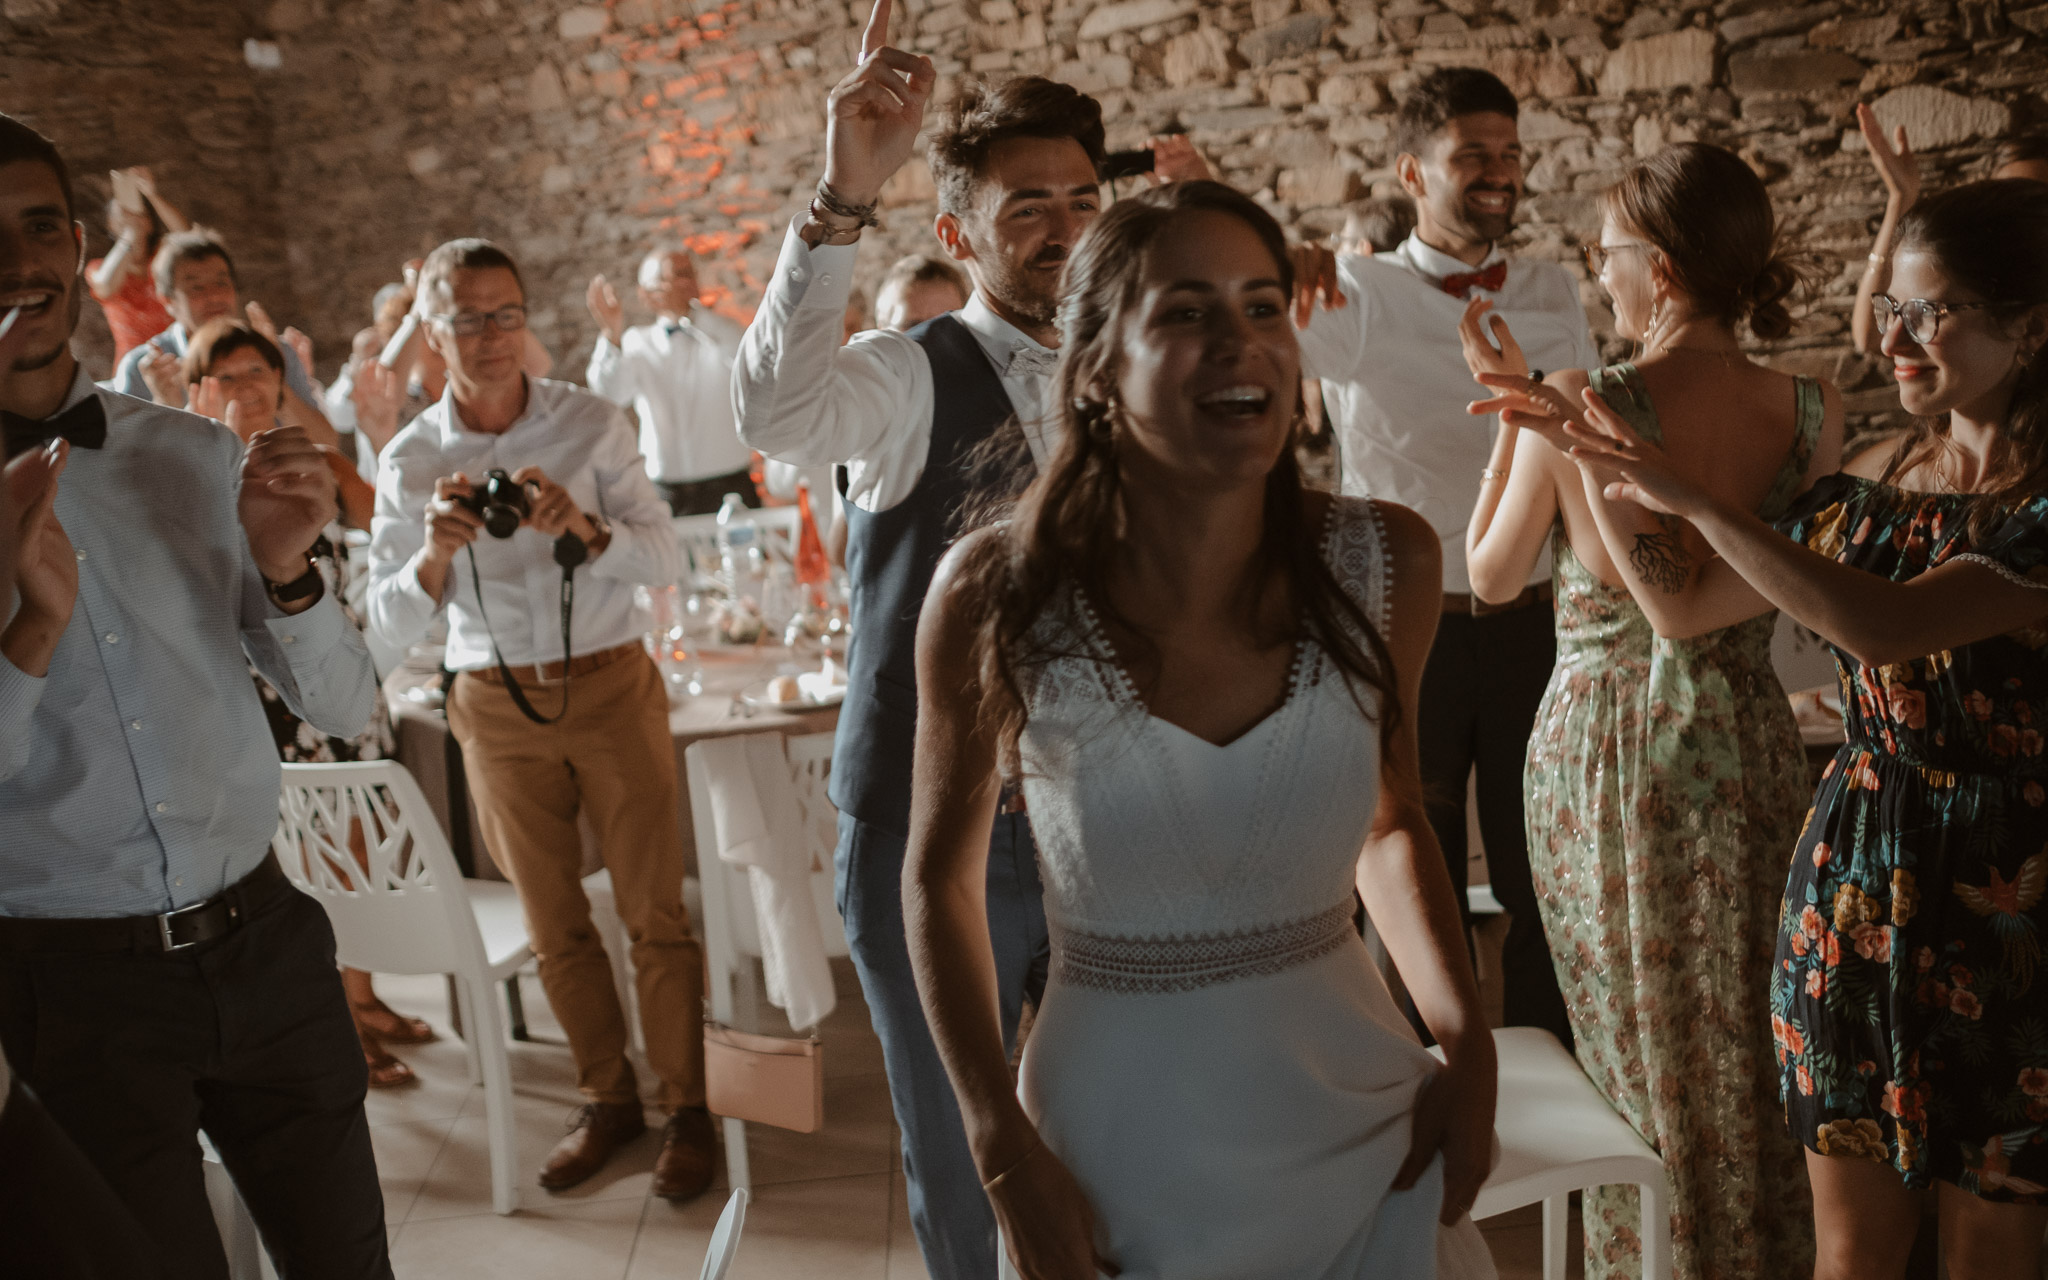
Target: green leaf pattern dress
1664	790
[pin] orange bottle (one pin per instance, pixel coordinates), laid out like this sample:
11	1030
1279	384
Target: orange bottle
812	569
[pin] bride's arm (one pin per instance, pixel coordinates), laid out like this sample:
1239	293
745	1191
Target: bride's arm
1408	894
955	783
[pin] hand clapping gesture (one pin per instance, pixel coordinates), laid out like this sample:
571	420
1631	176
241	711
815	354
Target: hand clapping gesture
287	498
1895	161
873	115
606	309
1523	402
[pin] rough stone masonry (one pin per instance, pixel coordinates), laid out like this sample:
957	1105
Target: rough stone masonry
334	138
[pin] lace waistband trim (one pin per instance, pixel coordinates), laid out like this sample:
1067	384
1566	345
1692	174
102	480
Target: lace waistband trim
1157	965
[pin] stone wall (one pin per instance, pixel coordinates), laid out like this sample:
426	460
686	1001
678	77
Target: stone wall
124	82
574	133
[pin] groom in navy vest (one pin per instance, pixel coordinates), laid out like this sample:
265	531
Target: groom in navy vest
1015	164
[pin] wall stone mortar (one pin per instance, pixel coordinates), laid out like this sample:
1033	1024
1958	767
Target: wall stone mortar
577	133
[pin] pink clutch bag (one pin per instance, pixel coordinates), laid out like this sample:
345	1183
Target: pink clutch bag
764	1079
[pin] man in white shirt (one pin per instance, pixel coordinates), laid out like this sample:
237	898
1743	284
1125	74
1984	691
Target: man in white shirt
545	736
1395	379
677	375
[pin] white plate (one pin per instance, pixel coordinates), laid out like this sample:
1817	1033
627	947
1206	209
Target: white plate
756	695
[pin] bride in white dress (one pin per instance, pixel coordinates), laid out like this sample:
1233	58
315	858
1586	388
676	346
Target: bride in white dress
1205	677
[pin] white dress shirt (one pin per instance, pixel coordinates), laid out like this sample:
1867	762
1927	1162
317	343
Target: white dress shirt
677	376
1397	385
584	443
803	398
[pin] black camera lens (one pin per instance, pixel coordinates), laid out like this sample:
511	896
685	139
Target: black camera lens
501	501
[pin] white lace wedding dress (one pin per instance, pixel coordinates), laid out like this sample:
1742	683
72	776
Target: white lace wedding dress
1216	1058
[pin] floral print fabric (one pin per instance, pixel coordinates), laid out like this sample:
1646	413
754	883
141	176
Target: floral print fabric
1909	1005
1664	789
299	742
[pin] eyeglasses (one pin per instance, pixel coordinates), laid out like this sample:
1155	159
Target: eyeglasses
1921	317
1596	255
468	324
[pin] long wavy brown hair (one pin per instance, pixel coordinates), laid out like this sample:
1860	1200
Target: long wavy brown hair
1991	238
1058	532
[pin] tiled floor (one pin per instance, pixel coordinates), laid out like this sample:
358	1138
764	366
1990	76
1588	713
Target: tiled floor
829	1204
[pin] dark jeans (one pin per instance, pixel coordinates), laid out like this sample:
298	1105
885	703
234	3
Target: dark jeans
247	1037
702	497
1480	689
956	1228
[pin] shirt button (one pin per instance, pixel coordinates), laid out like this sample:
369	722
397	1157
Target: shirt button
80	553
289	639
179	883
111	638
797	274
135	725
161	807
826	278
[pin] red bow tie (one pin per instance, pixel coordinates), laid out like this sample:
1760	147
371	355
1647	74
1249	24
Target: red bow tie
1459	283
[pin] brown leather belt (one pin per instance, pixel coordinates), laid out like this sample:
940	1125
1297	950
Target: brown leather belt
581	665
1459	602
167	934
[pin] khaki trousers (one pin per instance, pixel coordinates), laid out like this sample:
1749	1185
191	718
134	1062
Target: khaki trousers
610	757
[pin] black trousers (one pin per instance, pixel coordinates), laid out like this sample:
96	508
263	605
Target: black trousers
247	1037
1480	689
702	497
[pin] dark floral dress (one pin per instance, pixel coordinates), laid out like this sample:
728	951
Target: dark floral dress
1908	1001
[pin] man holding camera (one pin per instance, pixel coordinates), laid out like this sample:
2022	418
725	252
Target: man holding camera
553	474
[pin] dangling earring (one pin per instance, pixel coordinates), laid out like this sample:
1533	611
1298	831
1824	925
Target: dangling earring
1656	322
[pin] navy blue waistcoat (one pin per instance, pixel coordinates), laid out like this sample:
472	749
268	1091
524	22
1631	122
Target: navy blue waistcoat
890	558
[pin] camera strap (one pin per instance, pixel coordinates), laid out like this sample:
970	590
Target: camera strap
570	551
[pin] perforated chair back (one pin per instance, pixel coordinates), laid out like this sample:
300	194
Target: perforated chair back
408	910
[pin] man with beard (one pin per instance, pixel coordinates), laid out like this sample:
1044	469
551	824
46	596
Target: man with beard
1394	373
158	973
1015	164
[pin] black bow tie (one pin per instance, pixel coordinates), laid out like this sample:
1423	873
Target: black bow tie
84	424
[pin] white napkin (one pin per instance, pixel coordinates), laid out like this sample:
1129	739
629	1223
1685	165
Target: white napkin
759	821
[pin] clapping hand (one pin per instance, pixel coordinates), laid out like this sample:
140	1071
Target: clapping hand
1174	159
873	115
209	400
1896	164
1605	443
1315	280
287	498
377	393
166	379
41	563
1048	1226
605	308
1523	402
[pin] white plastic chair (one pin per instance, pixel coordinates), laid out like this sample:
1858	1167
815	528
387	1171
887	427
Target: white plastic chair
732	931
725	1237
411	912
1559	1135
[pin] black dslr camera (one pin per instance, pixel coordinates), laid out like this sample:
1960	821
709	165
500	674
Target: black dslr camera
500	501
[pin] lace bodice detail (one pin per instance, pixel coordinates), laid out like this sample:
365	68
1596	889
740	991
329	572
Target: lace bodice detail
1169	861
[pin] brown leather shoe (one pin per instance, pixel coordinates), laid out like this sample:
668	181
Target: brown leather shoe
600	1129
689	1155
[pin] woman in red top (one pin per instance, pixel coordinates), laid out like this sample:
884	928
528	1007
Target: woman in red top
120	281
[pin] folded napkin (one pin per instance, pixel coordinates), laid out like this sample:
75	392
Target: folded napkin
759	820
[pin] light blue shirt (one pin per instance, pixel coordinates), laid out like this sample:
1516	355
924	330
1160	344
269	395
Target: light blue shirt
139	775
128	379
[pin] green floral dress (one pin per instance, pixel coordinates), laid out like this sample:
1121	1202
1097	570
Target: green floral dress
1909	1003
1664	790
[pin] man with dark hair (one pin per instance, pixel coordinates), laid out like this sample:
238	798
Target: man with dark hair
1016	169
1394	375
196	279
593	739
159	975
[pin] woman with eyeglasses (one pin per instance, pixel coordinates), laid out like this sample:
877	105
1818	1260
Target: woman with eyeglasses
235	375
1665	778
1909	997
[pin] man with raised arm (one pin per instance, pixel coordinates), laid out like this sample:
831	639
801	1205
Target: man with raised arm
1015	164
1394	372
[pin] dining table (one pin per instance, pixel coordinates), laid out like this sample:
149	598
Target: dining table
729	697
